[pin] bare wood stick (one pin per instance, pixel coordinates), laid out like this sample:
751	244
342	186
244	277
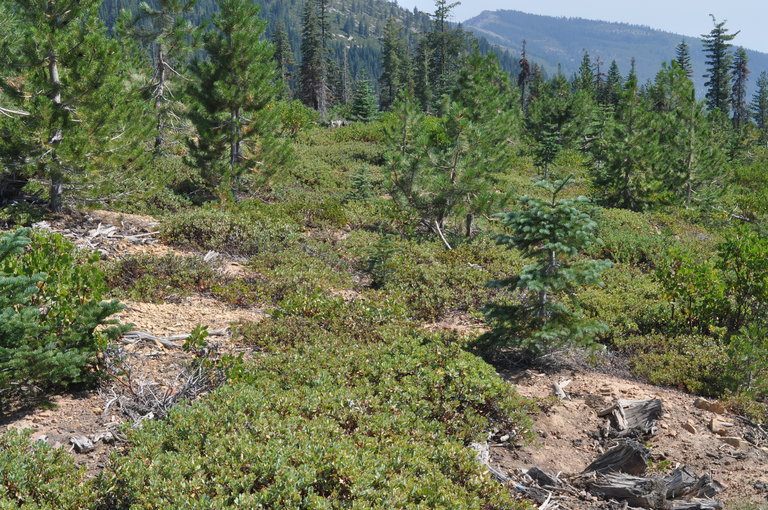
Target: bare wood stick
137	336
442	237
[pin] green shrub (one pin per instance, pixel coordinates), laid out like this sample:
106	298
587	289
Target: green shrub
244	233
305	269
628	238
433	282
630	302
154	279
34	475
695	363
330	423
50	309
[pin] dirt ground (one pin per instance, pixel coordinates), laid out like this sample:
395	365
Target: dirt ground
567	442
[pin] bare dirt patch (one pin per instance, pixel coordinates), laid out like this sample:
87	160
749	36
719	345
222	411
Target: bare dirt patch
567	439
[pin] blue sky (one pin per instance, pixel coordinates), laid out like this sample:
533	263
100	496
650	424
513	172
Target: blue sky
687	17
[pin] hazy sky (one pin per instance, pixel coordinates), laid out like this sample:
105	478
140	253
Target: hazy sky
687	17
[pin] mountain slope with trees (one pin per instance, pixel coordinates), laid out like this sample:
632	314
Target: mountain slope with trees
553	41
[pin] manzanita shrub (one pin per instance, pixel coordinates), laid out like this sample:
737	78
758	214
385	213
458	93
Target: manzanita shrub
342	416
51	311
35	475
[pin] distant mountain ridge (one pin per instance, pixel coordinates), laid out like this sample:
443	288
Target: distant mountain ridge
559	40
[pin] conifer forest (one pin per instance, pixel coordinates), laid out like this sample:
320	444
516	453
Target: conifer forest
341	254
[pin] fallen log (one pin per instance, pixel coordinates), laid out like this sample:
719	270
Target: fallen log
627	457
697	504
636	491
168	341
633	418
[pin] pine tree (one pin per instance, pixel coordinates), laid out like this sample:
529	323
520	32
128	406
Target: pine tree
345	86
683	58
759	105
556	120
364	106
314	88
394	63
443	167
165	30
422	75
584	80
552	233
524	78
283	58
717	50
446	45
614	83
692	162
739	91
75	81
627	154
233	93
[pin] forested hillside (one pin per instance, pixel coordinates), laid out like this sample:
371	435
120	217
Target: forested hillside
233	280
562	41
356	27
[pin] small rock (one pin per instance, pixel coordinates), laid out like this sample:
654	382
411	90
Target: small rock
97	410
663	425
711	406
689	427
718	427
736	442
108	438
82	444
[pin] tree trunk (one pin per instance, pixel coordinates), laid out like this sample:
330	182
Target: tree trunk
57	185
162	78
468	224
234	150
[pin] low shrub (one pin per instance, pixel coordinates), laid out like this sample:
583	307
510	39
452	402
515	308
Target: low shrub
154	279
34	475
243	233
630	302
696	363
51	311
433	282
330	423
629	238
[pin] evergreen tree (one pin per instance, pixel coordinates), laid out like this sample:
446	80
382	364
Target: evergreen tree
75	82
691	161
165	30
739	90
314	88
524	78
446	45
364	106
442	167
556	120
552	233
422	75
584	80
759	105
627	154
683	58
233	93
283	57
718	60
614	83
394	63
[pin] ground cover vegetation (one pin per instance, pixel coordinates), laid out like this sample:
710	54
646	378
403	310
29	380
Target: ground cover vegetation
555	213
